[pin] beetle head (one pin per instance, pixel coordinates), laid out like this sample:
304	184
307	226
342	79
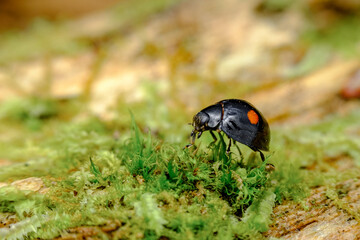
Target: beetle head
200	121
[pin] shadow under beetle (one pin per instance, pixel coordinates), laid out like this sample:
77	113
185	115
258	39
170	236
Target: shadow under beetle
238	119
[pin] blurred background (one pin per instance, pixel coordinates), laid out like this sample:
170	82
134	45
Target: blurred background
295	60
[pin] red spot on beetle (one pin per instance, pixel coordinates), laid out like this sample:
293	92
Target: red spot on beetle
253	117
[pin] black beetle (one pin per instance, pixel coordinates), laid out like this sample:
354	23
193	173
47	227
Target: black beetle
238	119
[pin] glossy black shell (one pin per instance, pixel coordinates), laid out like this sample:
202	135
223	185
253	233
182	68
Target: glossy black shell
231	117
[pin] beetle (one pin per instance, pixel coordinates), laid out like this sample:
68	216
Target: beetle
238	119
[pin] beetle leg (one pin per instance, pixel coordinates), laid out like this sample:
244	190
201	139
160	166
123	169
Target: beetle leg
262	156
199	135
269	167
228	149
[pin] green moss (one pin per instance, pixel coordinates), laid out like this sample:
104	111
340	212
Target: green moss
155	187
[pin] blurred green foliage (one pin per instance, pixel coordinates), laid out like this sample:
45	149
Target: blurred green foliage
32	112
341	37
44	39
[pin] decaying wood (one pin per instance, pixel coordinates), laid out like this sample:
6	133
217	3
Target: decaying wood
322	216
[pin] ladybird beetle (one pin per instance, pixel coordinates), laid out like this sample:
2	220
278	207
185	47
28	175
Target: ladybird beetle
238	119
